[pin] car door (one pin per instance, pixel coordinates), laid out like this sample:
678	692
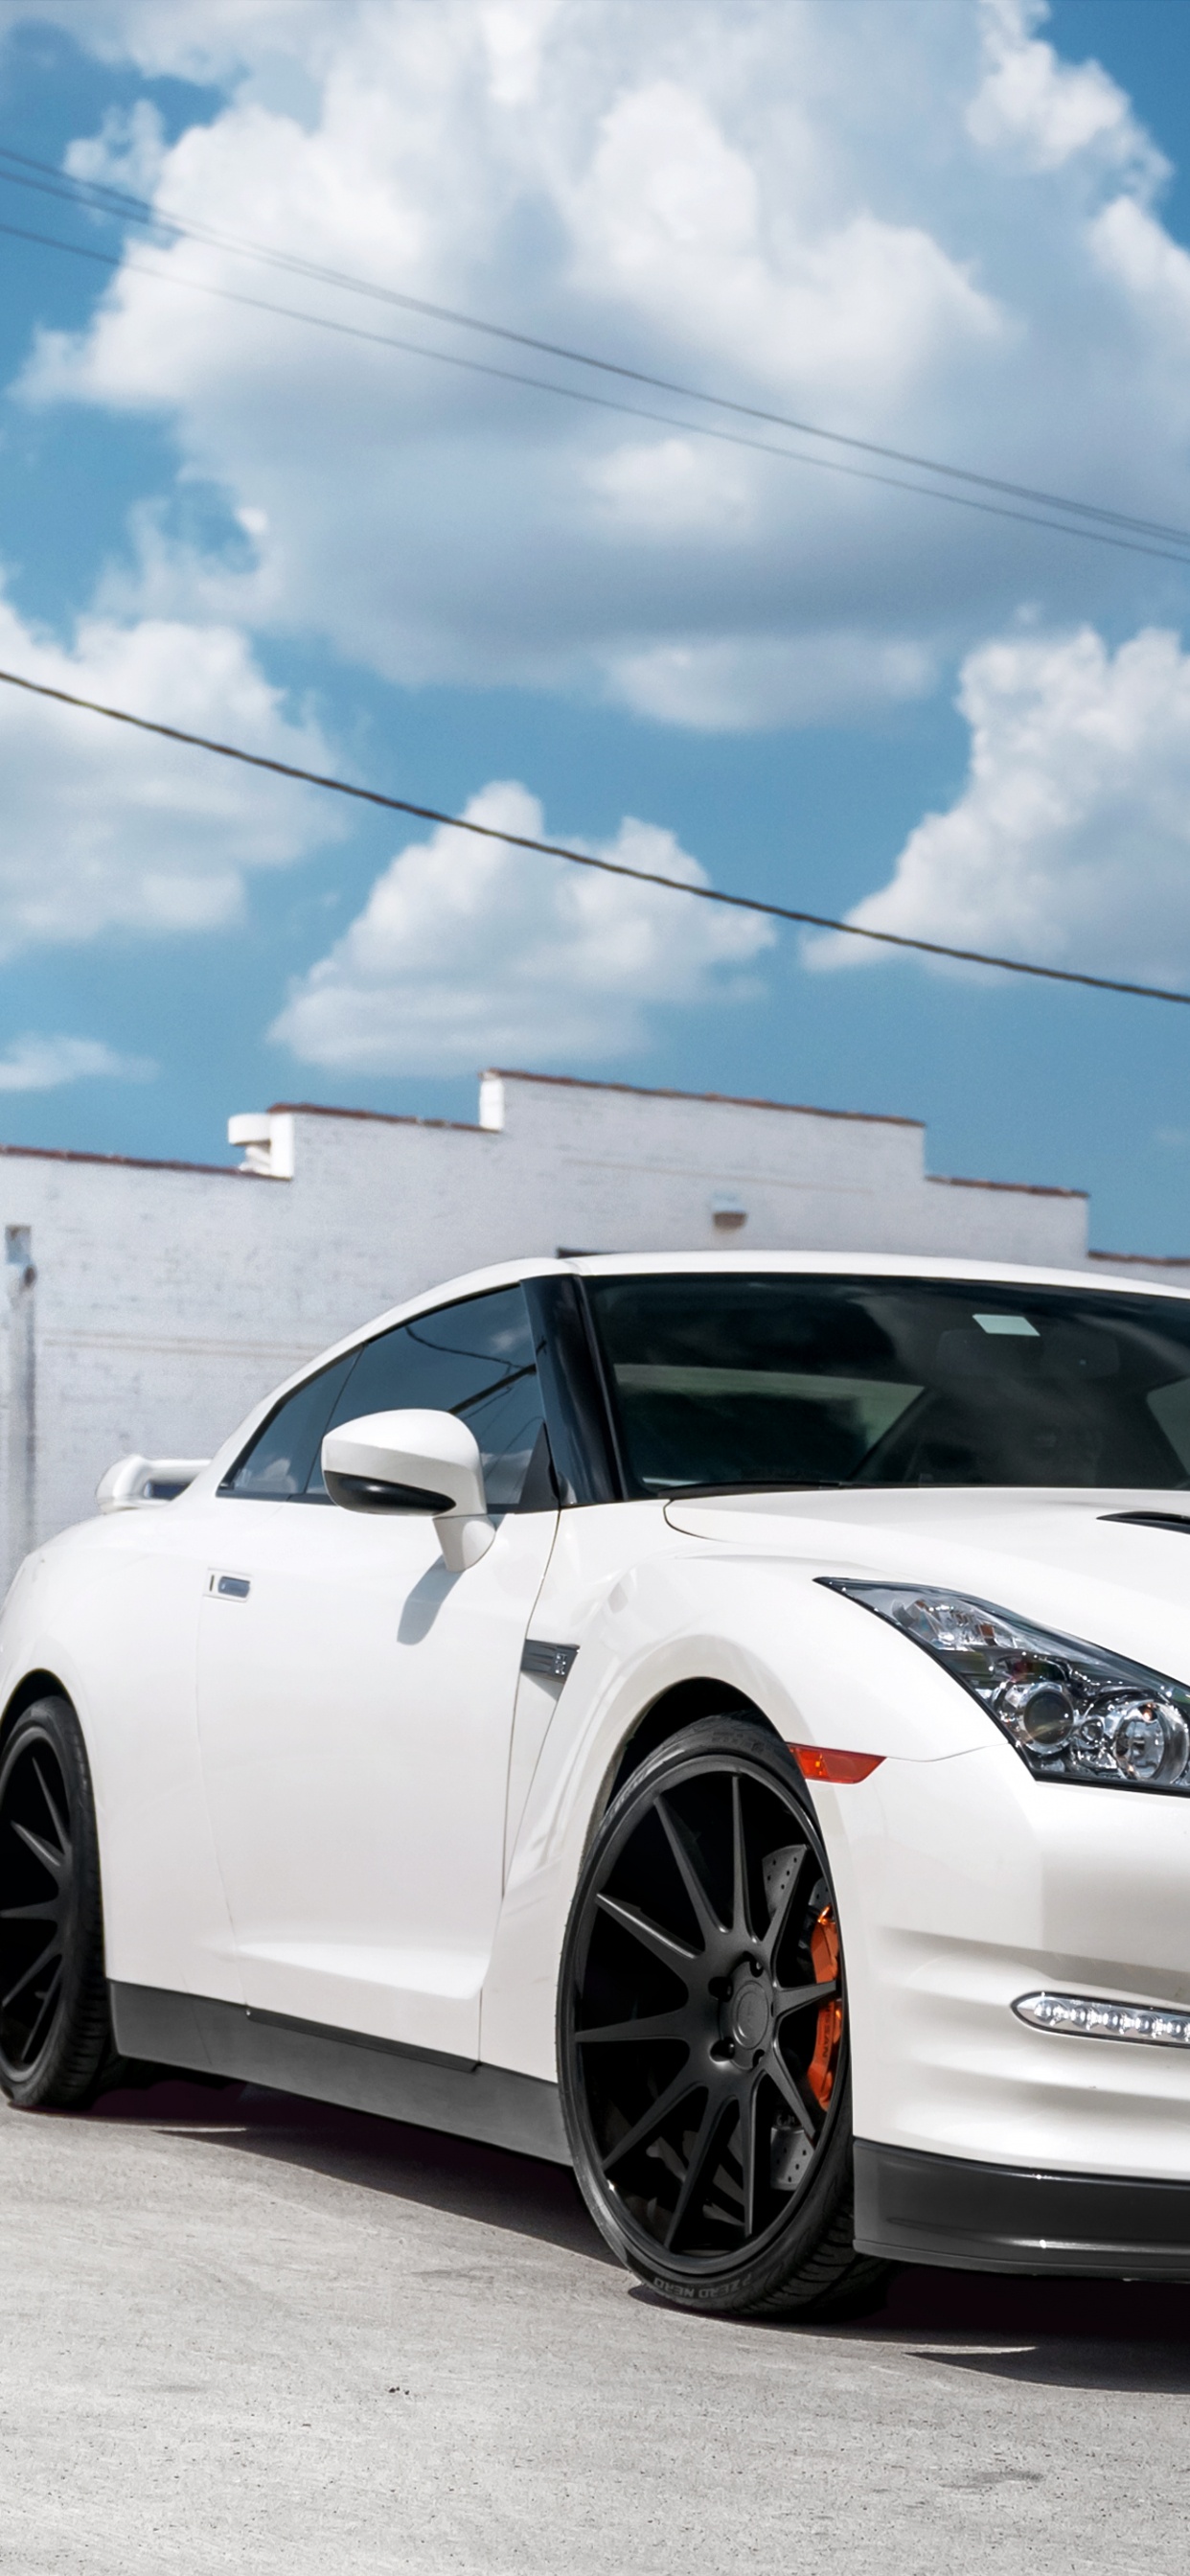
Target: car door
356	1700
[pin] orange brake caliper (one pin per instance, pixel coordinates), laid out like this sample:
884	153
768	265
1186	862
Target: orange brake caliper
824	1951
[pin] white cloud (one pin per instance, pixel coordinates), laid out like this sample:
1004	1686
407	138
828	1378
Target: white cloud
104	828
943	238
1048	110
671	487
127	152
1070	842
1135	250
673	215
739	682
44	1064
468	950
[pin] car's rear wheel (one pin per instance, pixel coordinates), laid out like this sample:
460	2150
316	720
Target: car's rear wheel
55	2027
703	2043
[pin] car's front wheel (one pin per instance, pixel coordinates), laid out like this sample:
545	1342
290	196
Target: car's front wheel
55	2028
703	2044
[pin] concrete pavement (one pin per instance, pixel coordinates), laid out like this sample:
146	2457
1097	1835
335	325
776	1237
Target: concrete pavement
240	2332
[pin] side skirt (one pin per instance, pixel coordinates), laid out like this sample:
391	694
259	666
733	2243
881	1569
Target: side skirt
490	2103
916	2208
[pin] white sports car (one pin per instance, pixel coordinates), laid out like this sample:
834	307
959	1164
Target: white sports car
723	1723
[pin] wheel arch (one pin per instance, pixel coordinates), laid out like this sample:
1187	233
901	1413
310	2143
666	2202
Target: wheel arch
674	1708
33	1685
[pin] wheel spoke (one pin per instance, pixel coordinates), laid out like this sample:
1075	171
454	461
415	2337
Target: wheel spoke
708	1921
679	2090
798	1855
51	1950
655	2026
47	2003
776	2067
749	2127
664	1945
699	2158
54	1861
741	1912
58	1822
793	1999
36	1869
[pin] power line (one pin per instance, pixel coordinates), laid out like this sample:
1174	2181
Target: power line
584	858
99	198
599	402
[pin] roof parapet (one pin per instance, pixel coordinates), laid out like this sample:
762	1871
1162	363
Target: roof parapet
498	1075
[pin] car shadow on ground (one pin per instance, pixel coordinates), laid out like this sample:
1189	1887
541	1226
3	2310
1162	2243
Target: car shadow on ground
1129	2336
456	2175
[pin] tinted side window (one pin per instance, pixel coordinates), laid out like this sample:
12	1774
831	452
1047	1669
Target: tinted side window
474	1360
281	1457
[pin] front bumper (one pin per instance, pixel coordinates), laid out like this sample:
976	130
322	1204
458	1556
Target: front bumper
914	2208
964	1884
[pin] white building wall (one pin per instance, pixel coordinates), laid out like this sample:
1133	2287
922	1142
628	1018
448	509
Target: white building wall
167	1298
618	1170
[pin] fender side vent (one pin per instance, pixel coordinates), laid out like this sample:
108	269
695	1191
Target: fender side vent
549	1663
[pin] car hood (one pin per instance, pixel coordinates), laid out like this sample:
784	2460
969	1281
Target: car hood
1061	1557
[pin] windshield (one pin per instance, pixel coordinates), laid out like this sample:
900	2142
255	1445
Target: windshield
765	1378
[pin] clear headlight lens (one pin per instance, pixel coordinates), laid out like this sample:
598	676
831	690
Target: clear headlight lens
1073	1712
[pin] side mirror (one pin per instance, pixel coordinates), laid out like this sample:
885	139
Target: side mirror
414	1462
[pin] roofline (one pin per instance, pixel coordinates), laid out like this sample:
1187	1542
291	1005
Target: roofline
1145	1260
1029	1189
131	1162
377	1117
963	1270
642	1091
717	1099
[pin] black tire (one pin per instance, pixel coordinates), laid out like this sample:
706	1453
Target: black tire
713	2145
56	2043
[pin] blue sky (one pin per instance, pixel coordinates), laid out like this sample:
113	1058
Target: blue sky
963	241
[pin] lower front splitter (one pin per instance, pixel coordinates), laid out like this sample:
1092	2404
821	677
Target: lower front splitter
918	2208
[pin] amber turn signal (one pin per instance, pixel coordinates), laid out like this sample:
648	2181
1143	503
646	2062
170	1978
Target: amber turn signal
818	1762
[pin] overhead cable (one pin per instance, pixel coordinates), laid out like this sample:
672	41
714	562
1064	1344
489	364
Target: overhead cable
599	402
586	858
118	205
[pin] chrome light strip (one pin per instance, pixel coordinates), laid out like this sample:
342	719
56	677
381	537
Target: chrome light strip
1086	2017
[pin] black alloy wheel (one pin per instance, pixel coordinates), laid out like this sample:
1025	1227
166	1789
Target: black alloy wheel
703	2034
55	2028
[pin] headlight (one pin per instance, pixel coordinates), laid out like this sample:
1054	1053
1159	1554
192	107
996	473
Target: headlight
1073	1712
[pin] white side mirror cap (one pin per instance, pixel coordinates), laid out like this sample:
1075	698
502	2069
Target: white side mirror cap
413	1462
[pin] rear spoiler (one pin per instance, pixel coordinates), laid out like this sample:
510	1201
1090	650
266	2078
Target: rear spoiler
136	1484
